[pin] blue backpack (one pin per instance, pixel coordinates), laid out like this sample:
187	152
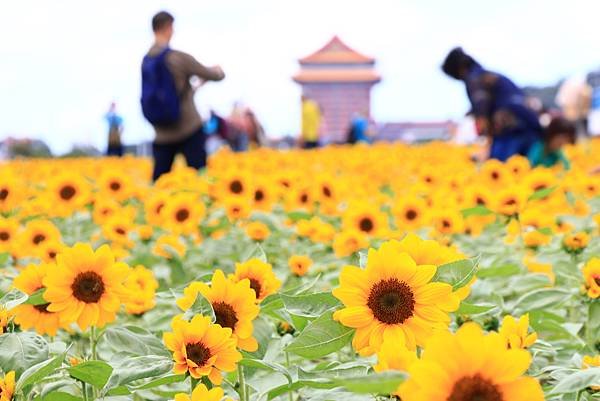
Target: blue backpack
160	101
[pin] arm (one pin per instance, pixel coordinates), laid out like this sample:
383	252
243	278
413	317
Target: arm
480	90
195	68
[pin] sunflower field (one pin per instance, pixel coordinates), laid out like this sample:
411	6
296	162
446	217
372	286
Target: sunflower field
345	273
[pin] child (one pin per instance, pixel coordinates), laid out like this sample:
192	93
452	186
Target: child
548	151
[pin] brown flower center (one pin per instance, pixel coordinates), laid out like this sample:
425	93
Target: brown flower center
67	192
236	187
115	186
411	214
303	198
475	388
182	215
446	223
88	287
3	194
256	286
198	353
510	202
259	195
159	207
52	254
327	191
539	187
366	224
4	236
391	301
597	280
225	315
120	231
38	238
42	308
495	175
480	201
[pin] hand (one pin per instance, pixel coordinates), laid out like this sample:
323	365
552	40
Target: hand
218	70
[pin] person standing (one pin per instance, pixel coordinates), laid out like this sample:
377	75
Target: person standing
311	122
115	129
168	99
497	105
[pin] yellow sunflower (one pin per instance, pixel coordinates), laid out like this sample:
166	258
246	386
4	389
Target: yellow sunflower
348	242
104	209
364	217
11	191
257	231
68	192
262	279
183	212
201	393
86	286
516	332
36	233
117	229
168	246
7	386
299	264
142	286
410	213
8	232
4	316
38	317
591	275
154	207
201	348
392	299
234	305
576	242
470	365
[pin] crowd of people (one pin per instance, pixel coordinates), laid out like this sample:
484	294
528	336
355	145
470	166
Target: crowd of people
504	116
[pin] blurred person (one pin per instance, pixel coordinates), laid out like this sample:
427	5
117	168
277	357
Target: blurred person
497	105
574	97
547	151
311	123
359	129
168	99
256	132
239	128
115	130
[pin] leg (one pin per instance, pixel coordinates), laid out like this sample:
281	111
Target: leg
164	154
194	150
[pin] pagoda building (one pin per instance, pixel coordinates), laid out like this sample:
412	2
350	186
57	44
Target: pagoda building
339	79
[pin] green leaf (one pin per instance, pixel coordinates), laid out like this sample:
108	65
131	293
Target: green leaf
4	258
593	323
379	383
268	366
472	309
39	371
478	210
310	305
298	215
37	298
136	368
170	379
499	271
540	299
201	306
321	337
256	253
95	373
20	351
13	298
457	274
58	396
126	341
542	193
545	230
577	381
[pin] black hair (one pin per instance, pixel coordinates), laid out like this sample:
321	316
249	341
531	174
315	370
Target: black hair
456	61
161	20
560	126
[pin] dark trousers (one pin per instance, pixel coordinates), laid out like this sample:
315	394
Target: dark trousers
114	150
310	144
193	149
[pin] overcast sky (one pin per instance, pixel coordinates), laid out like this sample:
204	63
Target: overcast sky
63	61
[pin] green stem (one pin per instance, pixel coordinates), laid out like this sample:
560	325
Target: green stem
242	383
579	395
93	343
84	391
287	365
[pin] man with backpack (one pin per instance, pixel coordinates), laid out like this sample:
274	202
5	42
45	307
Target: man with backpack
168	99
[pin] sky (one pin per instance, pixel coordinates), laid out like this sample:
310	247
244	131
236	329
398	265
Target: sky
63	61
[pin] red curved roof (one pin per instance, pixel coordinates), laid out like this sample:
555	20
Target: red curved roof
336	52
337	75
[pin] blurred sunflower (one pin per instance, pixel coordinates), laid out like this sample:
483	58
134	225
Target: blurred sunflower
299	264
470	365
7	386
448	221
11	191
86	286
201	348
516	332
264	196
4	316
392	299
117	229
104	209
8	233
348	242
202	393
168	245
183	212
68	192
591	275
576	242
113	184
509	201
260	274
38	317
364	217
141	285
35	235
234	305
410	213
257	231
154	206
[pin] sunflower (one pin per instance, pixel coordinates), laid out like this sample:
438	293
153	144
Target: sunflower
348	242
576	242
4	316
539	179
201	393
262	279
534	239
263	196
38	317
233	184
8	232
7	386
448	221
510	201
591	275
410	213
364	217
518	165
201	348
50	250
299	264
11	191
68	192
168	245
393	357
86	286
495	174
104	209
35	236
237	208
392	299
183	212
470	365
257	231
234	305
154	207
299	198
117	229
516	332
115	185
142	286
